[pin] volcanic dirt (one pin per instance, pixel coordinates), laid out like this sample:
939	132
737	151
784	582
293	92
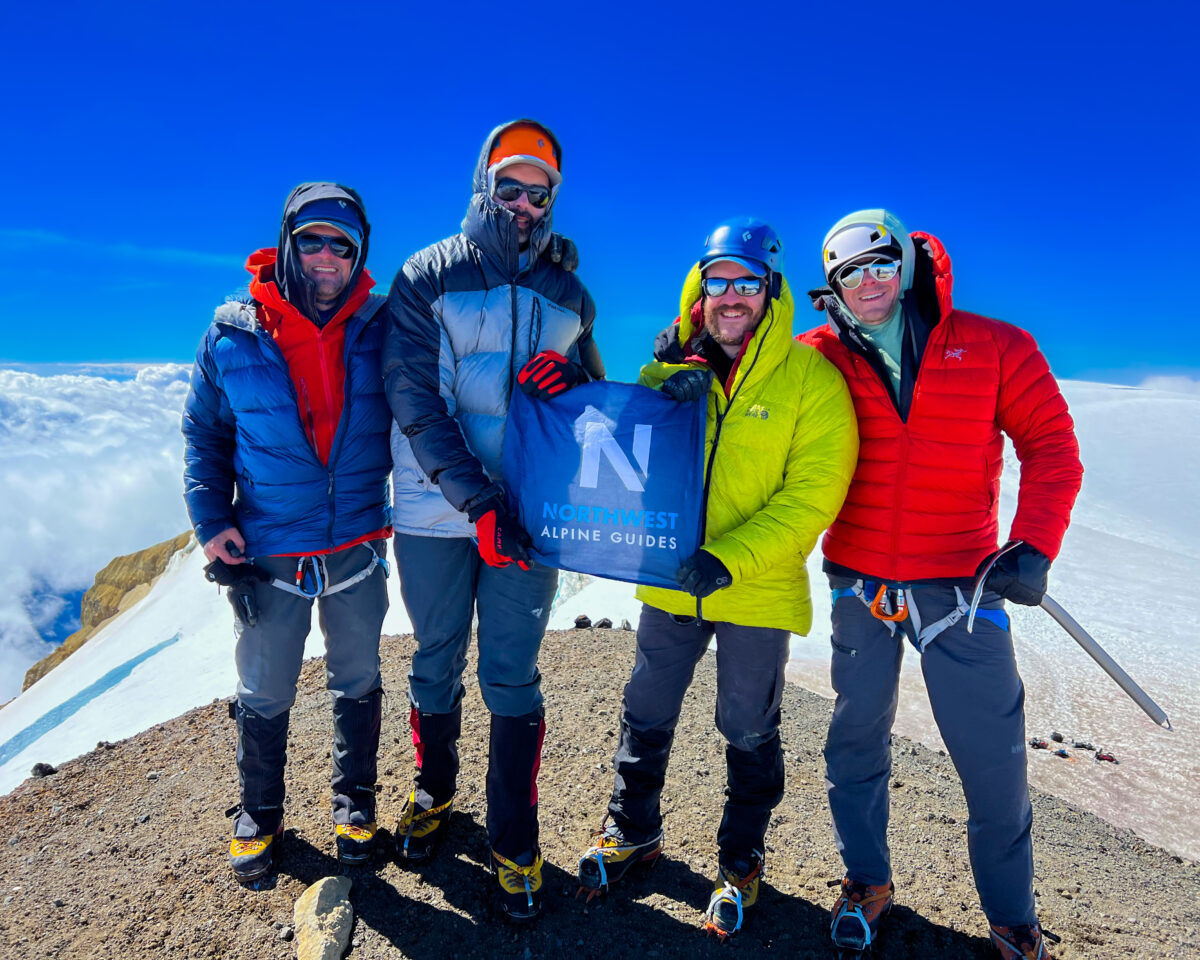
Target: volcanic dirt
121	853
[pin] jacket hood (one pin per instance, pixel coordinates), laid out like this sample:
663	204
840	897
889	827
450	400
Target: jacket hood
297	289
768	345
494	228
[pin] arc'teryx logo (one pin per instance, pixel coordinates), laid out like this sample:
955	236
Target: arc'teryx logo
598	441
955	353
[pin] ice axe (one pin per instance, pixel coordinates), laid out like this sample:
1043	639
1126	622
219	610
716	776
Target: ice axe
1080	636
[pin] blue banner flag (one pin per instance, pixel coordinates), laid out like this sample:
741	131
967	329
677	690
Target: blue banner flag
608	479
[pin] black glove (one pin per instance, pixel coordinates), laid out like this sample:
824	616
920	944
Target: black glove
1020	575
688	385
702	574
501	539
550	373
562	250
667	347
818	296
239	579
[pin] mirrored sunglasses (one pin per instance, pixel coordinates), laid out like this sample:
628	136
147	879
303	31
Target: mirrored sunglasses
742	286
509	190
310	243
881	270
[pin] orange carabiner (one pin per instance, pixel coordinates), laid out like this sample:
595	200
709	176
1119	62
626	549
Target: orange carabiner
879	605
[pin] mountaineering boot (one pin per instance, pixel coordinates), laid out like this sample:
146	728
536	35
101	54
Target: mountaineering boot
1026	941
419	829
611	856
252	857
425	816
258	823
856	915
356	725
520	885
735	890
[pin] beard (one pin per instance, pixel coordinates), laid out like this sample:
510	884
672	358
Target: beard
744	322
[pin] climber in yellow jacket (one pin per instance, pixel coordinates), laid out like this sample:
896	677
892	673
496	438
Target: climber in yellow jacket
781	444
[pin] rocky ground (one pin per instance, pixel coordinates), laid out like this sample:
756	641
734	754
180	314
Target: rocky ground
121	853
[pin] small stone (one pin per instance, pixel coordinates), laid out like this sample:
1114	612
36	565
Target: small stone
60	903
286	933
8	899
626	625
13	841
43	770
144	818
154	775
582	622
603	624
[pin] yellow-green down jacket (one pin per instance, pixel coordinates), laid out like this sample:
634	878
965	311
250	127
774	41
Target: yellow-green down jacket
781	448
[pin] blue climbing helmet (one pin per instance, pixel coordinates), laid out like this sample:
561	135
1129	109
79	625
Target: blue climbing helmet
751	242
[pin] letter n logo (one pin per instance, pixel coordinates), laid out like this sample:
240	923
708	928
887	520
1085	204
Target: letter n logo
598	440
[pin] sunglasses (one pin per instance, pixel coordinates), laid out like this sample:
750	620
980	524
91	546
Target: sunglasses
310	243
509	190
881	270
742	286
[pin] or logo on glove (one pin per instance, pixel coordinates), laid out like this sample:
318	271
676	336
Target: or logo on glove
1021	575
702	574
548	374
501	540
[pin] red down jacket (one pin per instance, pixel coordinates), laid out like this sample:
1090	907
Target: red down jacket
924	499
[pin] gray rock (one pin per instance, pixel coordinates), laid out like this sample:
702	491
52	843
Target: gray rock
324	919
43	770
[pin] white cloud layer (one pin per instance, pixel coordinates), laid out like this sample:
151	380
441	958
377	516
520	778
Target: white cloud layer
1172	384
90	468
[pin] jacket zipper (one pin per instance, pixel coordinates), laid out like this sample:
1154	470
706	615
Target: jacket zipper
712	455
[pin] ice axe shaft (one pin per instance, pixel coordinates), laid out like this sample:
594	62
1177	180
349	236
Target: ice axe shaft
1081	636
1110	666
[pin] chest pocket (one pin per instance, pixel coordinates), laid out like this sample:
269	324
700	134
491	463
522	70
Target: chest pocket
549	326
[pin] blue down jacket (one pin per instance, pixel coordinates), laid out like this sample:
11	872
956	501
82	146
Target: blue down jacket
247	459
464	317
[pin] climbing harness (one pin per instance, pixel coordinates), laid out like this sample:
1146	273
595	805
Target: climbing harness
893	605
312	578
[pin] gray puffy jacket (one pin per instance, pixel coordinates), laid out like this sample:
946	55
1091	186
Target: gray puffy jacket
464	318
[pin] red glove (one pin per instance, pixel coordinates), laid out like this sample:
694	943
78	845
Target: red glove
549	374
501	539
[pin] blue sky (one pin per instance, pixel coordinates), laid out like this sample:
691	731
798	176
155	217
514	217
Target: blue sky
149	149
